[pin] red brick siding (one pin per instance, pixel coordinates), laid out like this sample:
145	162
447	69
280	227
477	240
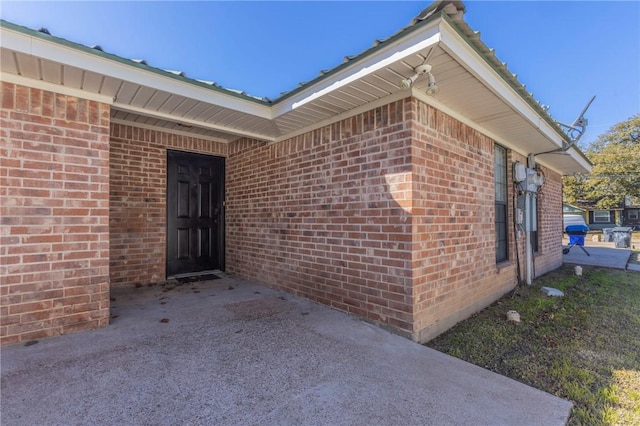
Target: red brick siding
138	159
54	209
454	267
322	215
388	215
549	256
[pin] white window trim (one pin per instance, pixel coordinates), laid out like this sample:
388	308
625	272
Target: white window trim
596	219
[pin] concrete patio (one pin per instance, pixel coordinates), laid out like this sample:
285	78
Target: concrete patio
229	351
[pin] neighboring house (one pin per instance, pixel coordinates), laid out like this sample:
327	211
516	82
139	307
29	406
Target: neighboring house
598	219
603	218
625	214
377	200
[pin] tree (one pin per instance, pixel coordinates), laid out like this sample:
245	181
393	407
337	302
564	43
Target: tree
615	156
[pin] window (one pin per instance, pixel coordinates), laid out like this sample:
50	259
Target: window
500	178
633	214
601	216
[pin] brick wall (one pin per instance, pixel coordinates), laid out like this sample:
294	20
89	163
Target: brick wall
323	215
138	160
368	215
387	215
54	244
549	256
454	268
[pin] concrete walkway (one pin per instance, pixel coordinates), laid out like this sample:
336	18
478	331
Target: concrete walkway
232	352
601	254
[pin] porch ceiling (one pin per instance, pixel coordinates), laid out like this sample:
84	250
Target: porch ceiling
471	90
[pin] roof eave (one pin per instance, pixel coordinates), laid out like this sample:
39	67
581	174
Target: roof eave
434	26
472	38
457	42
29	45
416	38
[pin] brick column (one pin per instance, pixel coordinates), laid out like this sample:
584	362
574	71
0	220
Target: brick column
54	211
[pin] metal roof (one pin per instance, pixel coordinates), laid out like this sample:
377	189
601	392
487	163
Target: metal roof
476	87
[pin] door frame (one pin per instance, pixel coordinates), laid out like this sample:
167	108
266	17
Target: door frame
221	188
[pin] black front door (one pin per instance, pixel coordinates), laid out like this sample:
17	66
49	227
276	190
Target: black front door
195	214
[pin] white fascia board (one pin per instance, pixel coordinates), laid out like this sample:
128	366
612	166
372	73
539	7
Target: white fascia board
56	52
172	118
56	88
459	49
419	40
394	97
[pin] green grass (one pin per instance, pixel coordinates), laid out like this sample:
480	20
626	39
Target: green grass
584	347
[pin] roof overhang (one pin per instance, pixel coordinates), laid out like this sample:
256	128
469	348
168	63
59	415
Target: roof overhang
472	90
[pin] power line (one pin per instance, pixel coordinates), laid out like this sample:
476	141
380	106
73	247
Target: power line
612	154
630	176
637	163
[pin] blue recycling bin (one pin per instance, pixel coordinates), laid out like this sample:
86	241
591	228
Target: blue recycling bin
576	235
576	240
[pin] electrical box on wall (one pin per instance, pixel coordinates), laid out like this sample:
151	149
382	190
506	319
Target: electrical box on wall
532	176
534	180
527	219
519	172
520	212
528	178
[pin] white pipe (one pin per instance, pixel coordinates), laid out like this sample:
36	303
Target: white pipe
528	267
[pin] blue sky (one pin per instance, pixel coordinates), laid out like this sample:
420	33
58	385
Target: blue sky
564	52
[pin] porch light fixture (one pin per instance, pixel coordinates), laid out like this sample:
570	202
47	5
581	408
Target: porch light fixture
405	83
432	88
424	69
